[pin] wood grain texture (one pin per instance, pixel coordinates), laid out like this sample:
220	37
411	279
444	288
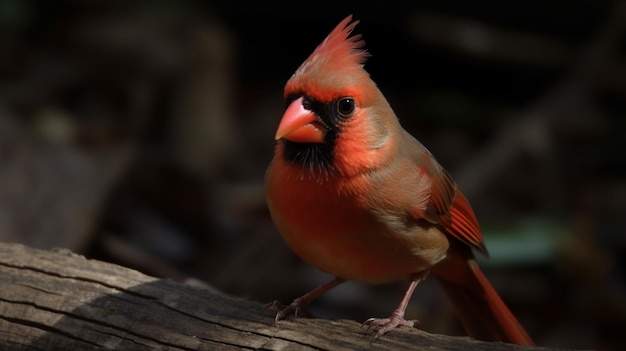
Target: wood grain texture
57	300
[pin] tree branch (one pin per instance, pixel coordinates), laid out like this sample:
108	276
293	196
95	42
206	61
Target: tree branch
57	300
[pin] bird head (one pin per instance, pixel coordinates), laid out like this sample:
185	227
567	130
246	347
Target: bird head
335	116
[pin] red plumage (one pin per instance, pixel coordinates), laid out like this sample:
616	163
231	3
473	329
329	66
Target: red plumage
355	195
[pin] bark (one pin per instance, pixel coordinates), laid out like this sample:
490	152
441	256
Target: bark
58	300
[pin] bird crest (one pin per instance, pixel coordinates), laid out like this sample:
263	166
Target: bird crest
338	55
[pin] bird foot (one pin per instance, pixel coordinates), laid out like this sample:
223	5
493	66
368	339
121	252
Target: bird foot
387	324
297	307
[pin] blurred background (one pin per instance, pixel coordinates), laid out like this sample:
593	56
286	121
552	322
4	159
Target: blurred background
139	132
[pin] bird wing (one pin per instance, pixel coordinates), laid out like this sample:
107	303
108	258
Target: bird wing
448	208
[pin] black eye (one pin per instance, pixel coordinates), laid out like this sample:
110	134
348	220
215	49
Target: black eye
307	103
345	107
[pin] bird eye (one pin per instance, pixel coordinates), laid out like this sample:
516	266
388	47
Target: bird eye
345	106
307	103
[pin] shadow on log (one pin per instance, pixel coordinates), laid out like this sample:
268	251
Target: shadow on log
57	300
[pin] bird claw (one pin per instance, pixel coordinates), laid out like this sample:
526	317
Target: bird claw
297	307
388	324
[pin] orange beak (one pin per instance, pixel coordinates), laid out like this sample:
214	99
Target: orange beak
300	125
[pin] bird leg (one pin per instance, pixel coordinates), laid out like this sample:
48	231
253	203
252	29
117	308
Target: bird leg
299	306
397	317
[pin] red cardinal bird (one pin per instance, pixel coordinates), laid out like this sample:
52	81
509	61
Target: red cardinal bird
355	195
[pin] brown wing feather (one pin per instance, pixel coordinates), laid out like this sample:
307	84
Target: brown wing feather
449	209
464	225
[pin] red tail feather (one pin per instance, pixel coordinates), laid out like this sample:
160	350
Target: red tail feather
482	312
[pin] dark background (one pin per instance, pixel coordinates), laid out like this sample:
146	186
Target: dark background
139	132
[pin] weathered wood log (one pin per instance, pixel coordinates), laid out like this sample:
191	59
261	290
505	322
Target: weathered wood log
57	300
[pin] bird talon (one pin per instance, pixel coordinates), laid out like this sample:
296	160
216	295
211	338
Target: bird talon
296	307
368	323
388	324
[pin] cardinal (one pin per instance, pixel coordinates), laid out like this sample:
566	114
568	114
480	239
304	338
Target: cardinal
355	195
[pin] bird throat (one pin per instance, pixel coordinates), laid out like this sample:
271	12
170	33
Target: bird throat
315	159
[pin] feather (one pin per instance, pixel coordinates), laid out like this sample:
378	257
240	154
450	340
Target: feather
335	63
